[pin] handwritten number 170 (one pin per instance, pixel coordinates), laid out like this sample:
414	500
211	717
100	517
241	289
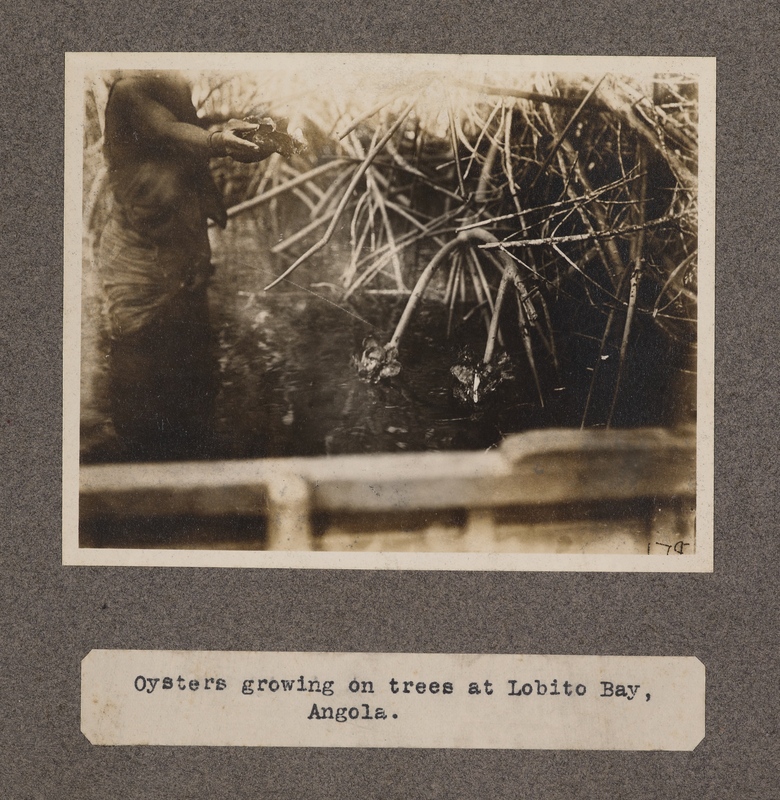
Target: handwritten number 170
677	547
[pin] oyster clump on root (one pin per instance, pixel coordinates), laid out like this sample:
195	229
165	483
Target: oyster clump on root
475	381
377	361
273	134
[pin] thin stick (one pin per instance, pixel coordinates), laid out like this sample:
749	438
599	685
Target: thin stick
480	137
401	211
484	186
482	302
328	194
288	170
506	278
634	288
588	279
347	194
320	296
368	114
583	237
537	97
304	198
583	199
675	272
462	275
610	255
481	275
636	277
379	263
454	143
349	273
301	234
449	287
403	242
380	202
500	265
426	275
400	163
260	178
553	350
356	213
602	345
529	350
284	187
456	272
508	169
564	132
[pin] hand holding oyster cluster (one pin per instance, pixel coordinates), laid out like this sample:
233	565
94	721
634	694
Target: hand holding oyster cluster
272	135
253	139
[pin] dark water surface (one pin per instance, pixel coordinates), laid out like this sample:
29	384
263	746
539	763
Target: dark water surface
288	387
288	383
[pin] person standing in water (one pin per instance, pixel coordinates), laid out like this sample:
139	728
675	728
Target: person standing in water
155	262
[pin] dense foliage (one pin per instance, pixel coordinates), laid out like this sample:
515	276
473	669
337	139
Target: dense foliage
561	209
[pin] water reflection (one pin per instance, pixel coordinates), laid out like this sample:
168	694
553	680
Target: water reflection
285	384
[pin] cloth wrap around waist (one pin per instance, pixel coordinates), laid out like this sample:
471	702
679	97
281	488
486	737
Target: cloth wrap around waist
155	247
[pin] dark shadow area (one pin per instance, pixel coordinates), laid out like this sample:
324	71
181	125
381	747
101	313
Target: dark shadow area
179	532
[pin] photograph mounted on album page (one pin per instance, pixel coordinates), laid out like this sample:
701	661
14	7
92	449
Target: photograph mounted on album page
389	311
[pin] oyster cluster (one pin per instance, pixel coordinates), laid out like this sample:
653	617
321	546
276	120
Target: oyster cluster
273	135
377	361
476	381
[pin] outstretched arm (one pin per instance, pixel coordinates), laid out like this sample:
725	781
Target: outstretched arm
153	122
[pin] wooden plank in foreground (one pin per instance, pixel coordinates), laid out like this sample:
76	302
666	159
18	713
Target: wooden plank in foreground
537	468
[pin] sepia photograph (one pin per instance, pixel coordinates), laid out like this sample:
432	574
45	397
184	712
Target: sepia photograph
389	311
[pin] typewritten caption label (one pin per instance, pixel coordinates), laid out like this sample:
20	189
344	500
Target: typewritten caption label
156	697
